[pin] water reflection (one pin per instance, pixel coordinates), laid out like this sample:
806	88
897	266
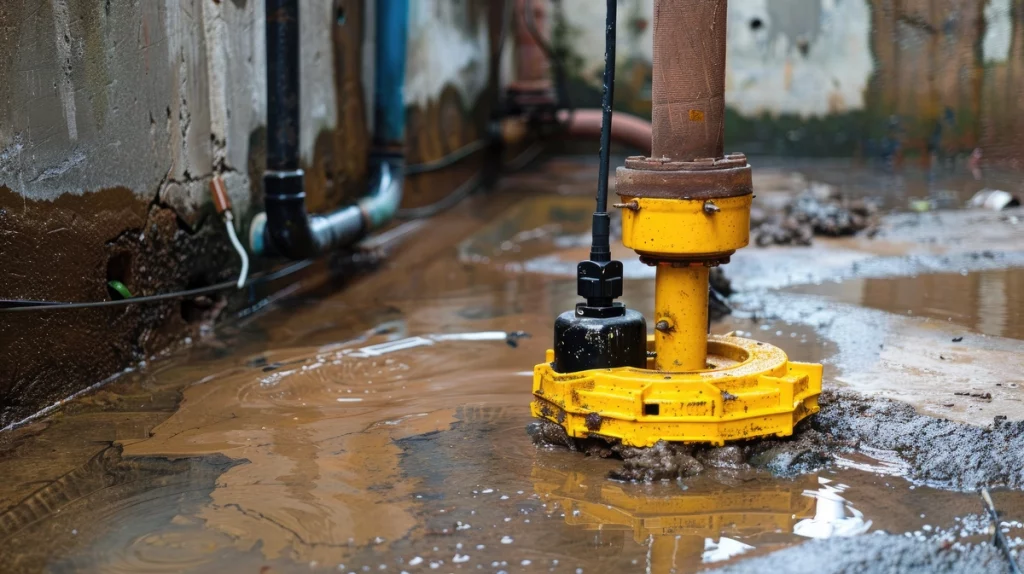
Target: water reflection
989	302
707	522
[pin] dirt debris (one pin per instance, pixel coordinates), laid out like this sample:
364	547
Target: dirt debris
721	289
876	553
983	396
807	451
932	451
820	210
938	452
662	461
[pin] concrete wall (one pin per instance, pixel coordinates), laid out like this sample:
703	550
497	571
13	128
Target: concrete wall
837	77
116	114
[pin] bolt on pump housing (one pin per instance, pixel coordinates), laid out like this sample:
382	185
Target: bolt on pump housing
684	210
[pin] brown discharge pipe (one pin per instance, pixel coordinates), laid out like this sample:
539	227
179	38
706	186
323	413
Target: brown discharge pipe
688	84
626	129
533	70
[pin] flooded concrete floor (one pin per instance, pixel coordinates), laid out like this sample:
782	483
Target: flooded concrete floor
381	429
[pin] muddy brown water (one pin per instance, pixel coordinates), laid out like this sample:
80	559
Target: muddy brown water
381	429
987	302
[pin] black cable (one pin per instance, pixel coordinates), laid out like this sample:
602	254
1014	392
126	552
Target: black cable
525	158
460	193
13	305
600	249
448	160
472	184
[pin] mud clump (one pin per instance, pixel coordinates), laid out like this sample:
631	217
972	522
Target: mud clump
821	210
547	433
808	450
876	553
721	288
662	461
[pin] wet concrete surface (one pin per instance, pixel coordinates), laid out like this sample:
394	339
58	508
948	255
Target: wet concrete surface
988	302
382	428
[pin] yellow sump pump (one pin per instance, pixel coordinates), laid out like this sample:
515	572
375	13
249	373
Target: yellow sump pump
684	210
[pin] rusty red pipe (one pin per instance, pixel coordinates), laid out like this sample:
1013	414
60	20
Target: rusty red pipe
533	70
688	82
627	130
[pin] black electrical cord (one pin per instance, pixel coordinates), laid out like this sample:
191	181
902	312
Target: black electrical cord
460	193
13	305
471	185
448	160
600	249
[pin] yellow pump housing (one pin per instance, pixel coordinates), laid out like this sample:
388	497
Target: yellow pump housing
696	387
685	209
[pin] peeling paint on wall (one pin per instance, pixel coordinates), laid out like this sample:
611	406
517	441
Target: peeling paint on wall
837	77
810	58
805	57
998	30
448	45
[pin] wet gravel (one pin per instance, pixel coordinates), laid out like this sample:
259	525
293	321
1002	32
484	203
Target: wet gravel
938	452
876	553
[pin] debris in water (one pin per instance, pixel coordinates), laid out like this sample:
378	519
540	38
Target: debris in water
512	338
985	396
957	339
820	210
994	199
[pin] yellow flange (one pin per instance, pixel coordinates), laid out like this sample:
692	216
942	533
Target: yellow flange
690	228
749	389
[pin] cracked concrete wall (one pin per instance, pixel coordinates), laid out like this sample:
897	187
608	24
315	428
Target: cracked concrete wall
147	95
116	114
114	117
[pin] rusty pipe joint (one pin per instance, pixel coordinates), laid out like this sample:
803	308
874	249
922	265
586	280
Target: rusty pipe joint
685	212
532	87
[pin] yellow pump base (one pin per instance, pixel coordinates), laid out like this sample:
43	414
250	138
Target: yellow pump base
749	390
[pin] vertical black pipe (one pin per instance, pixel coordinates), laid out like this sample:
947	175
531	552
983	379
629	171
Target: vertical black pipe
600	249
288	228
288	224
283	85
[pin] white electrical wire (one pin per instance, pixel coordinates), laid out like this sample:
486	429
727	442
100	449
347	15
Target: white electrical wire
229	223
